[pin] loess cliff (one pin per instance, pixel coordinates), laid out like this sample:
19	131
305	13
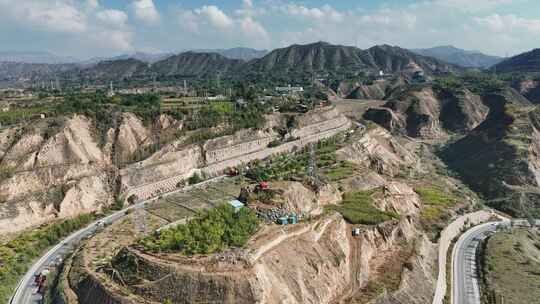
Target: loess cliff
500	158
427	113
315	261
63	167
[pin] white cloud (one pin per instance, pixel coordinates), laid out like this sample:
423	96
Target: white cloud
145	11
83	26
325	12
508	23
473	5
188	20
92	27
114	18
114	40
92	4
215	16
58	16
255	31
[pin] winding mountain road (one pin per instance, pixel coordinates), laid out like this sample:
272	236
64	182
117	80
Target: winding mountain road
26	291
465	288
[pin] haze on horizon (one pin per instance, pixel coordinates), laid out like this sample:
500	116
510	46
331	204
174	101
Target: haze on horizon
91	28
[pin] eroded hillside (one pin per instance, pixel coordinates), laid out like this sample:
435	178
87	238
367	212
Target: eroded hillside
488	134
317	260
60	168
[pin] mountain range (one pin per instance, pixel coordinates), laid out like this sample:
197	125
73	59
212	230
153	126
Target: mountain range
240	53
526	62
464	58
307	60
318	58
35	57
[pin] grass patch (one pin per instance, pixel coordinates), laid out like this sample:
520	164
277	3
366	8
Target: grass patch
511	267
357	208
19	115
435	196
431	213
17	255
211	231
341	170
435	210
6	172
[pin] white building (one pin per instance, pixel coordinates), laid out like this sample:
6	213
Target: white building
289	89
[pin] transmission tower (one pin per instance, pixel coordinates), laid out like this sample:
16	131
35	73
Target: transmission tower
140	221
57	83
312	166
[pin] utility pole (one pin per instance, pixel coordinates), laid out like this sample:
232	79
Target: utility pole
312	166
57	83
140	220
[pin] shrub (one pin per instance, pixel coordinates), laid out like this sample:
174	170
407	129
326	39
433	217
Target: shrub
357	208
6	172
210	232
274	143
195	179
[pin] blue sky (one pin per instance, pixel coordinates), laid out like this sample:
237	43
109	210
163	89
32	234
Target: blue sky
88	28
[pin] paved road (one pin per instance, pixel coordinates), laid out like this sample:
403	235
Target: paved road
26	290
465	288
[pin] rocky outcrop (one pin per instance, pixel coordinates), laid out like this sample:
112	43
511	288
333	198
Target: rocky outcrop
377	150
499	158
295	197
75	144
355	90
164	170
376	89
315	261
23	151
61	164
52	175
530	89
426	113
132	135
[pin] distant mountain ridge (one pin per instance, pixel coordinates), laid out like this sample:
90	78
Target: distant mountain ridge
322	56
528	62
241	53
464	58
35	57
196	64
293	60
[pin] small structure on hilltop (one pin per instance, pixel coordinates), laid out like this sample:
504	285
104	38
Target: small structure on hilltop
283	220
419	77
293	219
288	219
236	204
